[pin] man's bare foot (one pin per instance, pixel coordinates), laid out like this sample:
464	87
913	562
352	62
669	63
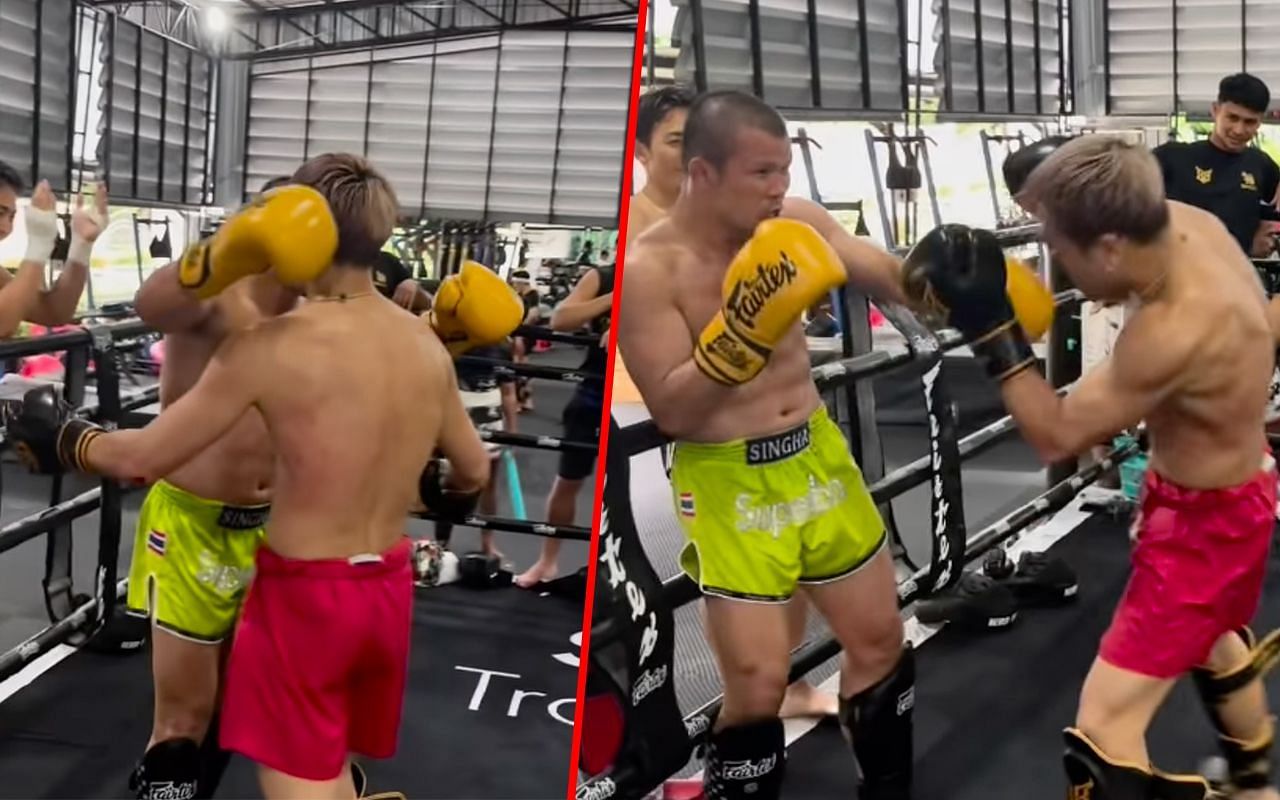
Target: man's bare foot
803	699
540	572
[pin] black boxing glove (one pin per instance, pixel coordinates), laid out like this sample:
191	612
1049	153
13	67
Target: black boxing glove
1017	168
46	434
956	275
436	495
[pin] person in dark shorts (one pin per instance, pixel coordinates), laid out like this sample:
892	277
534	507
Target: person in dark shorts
1224	174
521	345
393	281
489	395
589	304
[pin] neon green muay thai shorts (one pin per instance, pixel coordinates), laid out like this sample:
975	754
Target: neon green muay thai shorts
765	515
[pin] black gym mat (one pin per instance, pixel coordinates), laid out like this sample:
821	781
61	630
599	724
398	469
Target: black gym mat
488	670
990	709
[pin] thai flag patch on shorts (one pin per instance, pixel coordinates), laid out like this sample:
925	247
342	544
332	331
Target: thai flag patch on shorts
156	542
686	504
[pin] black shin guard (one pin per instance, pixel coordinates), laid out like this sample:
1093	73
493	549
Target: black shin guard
1248	762
213	761
170	770
877	723
1092	775
746	762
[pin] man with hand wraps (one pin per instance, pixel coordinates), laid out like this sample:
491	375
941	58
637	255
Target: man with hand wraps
357	395
200	526
1193	361
762	479
23	296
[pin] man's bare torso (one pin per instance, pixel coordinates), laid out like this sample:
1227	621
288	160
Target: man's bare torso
780	397
1209	433
237	468
352	403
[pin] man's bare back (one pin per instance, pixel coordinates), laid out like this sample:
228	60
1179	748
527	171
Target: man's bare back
673	289
1208	432
237	468
350	392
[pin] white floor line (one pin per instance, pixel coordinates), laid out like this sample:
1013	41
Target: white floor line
1036	540
21	679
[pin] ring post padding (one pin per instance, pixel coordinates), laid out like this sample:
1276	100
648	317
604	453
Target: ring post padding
514	489
946	495
111	519
637	665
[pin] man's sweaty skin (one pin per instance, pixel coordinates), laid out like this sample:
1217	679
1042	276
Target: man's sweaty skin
1194	361
237	468
673	290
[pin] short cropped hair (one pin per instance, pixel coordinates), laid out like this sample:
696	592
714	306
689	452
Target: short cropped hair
655	105
362	201
1097	185
715	119
10	177
276	182
1245	90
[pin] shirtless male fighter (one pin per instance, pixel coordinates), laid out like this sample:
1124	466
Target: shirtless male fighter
1193	361
659	135
200	526
342	385
763	480
23	296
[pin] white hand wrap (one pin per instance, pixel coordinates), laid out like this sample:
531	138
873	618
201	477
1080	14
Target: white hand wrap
81	249
42	232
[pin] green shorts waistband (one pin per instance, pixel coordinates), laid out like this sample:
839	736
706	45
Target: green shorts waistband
761	449
214	512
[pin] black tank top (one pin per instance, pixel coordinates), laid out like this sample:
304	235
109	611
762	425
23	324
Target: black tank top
597	358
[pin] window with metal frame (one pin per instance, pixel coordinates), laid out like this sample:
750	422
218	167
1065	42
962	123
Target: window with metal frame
156	119
807	54
1168	56
519	126
1008	57
36	85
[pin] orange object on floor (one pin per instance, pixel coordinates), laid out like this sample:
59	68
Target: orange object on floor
624	391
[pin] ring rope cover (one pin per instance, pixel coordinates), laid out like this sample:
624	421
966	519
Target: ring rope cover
634	668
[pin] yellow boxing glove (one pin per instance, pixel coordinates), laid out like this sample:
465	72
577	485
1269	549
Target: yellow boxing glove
289	229
474	308
780	272
1031	300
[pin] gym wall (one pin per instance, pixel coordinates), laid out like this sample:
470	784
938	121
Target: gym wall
36	80
518	126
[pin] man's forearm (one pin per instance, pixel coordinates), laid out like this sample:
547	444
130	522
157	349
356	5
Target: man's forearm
164	304
683	398
1037	410
884	280
572	317
121	455
57	306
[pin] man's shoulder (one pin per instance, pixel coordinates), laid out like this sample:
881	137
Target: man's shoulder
655	250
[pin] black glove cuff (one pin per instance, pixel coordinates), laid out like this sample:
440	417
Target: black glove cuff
1005	351
74	438
441	500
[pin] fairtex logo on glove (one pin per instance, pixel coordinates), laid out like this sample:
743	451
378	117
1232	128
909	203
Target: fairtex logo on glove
750	296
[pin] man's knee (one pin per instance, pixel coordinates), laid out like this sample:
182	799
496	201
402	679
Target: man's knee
754	688
880	640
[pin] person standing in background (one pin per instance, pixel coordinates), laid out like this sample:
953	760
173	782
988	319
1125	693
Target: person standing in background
1224	174
393	281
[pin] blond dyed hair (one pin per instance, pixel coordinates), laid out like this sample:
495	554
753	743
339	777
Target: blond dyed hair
1097	185
362	201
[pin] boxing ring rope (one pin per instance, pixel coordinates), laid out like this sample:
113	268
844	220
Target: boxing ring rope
484	521
77	616
638	622
547	335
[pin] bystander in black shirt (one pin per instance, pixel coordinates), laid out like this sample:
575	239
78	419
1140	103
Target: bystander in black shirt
597	360
1237	188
